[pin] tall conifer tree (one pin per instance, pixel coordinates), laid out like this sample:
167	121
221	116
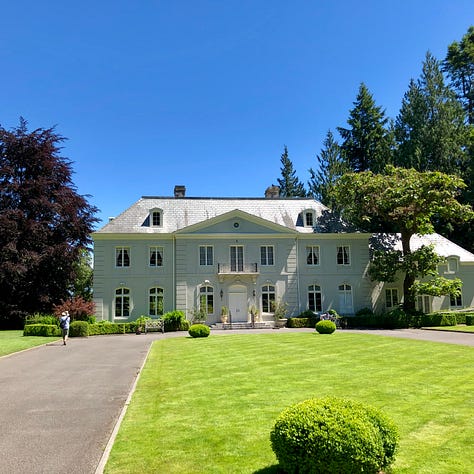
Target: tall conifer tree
290	185
367	143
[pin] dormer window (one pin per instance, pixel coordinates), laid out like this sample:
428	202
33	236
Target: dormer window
156	218
308	218
452	264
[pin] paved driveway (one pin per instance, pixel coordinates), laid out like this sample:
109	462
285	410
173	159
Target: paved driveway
59	405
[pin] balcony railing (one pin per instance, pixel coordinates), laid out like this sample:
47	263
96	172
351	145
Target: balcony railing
242	268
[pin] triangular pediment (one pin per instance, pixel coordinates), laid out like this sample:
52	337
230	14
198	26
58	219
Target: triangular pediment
236	222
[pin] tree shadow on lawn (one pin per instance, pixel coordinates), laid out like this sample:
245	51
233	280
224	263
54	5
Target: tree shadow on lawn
275	469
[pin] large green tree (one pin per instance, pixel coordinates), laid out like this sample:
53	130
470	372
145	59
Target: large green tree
331	166
290	185
459	65
430	130
410	201
44	223
367	142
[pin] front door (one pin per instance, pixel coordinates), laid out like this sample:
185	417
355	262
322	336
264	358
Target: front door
238	304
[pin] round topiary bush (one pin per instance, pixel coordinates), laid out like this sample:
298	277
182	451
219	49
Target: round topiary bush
199	330
325	327
333	435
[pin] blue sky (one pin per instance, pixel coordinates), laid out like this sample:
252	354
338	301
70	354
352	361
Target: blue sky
206	93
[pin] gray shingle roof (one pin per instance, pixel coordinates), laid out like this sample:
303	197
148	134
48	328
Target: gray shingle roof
178	213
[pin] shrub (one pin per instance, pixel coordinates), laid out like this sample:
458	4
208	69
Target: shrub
173	320
199	330
185	325
79	329
42	330
325	327
299	323
39	318
469	319
333	435
79	309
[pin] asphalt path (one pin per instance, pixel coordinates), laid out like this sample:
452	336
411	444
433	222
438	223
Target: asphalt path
59	404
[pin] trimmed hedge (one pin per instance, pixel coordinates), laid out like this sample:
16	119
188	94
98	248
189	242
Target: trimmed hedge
48	330
469	319
333	435
326	326
199	330
79	329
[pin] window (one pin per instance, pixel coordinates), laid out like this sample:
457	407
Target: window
206	256
308	219
156	218
155	302
343	255
452	265
315	300
236	258
423	303
206	299
266	255
455	301
122	303
391	298
312	255
345	299
122	257
268	298
156	256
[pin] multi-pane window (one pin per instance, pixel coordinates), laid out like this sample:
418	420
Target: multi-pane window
266	255
343	255
122	257
206	255
315	300
156	257
391	298
122	303
455	301
156	218
206	299
268	298
155	301
312	254
236	258
452	265
423	303
309	221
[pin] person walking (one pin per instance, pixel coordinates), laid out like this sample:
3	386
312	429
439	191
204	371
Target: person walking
64	321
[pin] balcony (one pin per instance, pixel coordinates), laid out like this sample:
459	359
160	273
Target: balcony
234	269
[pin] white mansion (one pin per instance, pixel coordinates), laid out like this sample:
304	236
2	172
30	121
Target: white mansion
166	253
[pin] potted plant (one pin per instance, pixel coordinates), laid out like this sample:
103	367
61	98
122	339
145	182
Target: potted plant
224	314
280	309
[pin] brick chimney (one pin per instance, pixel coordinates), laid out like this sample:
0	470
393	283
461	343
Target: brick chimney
179	191
272	192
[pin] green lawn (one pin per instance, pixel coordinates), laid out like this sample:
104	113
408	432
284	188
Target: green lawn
208	405
460	328
14	341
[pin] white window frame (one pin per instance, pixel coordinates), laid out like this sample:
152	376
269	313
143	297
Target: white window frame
206	255
122	295
345	251
391	298
156	215
455	302
206	298
155	294
452	265
267	255
312	254
308	217
159	252
122	257
315	291
268	296
423	303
